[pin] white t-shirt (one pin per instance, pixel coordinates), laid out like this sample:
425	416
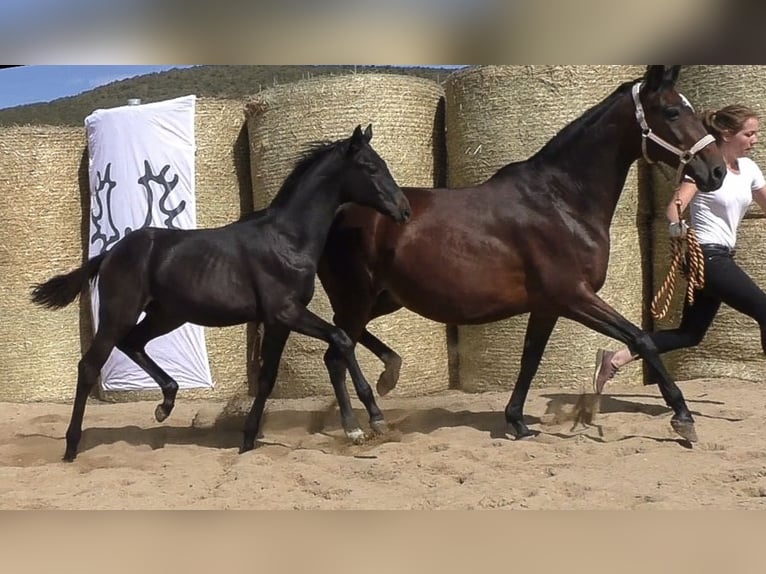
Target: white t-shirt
716	215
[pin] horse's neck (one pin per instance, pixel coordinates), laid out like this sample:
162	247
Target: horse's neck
307	212
597	163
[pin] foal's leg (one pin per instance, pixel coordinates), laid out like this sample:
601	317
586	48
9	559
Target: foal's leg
119	309
274	339
153	325
88	370
300	319
539	328
593	312
352	315
336	368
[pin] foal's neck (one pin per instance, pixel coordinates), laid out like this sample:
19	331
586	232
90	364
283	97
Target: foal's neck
306	212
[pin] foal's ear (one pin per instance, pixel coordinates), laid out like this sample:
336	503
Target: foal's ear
368	132
357	135
658	77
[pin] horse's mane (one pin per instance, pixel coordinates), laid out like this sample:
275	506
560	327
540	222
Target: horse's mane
569	135
313	152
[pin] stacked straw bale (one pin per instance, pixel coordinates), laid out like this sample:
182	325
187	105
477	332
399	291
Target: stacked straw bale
407	119
496	115
42	169
731	347
223	193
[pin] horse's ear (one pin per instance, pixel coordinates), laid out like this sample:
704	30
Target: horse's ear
356	140
671	75
368	132
658	77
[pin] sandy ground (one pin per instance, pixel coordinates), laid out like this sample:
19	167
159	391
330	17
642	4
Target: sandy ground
442	451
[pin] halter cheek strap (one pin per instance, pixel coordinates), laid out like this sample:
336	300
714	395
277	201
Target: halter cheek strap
684	156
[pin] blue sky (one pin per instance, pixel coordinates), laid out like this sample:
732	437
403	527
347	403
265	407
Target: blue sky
32	84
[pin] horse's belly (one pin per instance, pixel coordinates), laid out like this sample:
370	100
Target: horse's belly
462	300
209	308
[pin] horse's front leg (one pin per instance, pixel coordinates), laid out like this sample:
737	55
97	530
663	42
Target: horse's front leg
593	312
298	318
539	328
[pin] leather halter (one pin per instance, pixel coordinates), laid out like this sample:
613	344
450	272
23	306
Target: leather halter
684	156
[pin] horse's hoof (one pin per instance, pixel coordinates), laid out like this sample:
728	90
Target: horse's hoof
160	413
246	447
388	378
379	427
685	429
385	384
521	432
69	456
356	436
526	436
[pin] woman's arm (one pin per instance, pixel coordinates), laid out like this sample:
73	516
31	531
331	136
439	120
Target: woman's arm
759	196
685	193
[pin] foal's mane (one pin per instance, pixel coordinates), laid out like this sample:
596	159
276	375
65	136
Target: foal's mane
312	153
571	134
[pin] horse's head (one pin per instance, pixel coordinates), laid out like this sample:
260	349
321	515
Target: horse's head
369	182
672	133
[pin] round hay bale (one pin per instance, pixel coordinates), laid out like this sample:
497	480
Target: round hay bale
499	114
223	192
41	171
407	119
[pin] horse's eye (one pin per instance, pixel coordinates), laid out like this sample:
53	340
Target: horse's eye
672	113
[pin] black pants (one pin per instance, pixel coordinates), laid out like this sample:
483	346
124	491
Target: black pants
725	282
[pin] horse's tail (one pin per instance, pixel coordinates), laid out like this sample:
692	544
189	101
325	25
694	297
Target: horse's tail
61	290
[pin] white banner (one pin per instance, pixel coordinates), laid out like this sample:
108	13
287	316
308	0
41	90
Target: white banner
141	168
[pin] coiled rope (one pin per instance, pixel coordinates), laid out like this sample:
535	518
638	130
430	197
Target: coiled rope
694	272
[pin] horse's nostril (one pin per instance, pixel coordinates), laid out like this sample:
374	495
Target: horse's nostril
719	173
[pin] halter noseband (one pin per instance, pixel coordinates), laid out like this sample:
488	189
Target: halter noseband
647	133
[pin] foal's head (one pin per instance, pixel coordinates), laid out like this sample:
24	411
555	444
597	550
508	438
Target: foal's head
672	133
367	180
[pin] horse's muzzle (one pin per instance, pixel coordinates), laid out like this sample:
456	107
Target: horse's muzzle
712	182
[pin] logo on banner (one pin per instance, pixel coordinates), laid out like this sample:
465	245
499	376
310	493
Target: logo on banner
105	229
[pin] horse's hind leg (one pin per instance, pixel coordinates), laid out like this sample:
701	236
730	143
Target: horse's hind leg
274	339
88	370
539	328
593	312
153	325
119	308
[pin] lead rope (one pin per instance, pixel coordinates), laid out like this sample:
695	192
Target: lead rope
694	275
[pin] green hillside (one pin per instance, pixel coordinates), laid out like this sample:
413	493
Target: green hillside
210	81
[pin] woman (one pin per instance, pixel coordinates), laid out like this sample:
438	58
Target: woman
715	217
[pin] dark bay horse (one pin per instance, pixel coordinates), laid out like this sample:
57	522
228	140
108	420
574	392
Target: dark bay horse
261	269
533	238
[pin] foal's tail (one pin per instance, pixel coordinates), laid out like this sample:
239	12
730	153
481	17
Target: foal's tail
61	290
